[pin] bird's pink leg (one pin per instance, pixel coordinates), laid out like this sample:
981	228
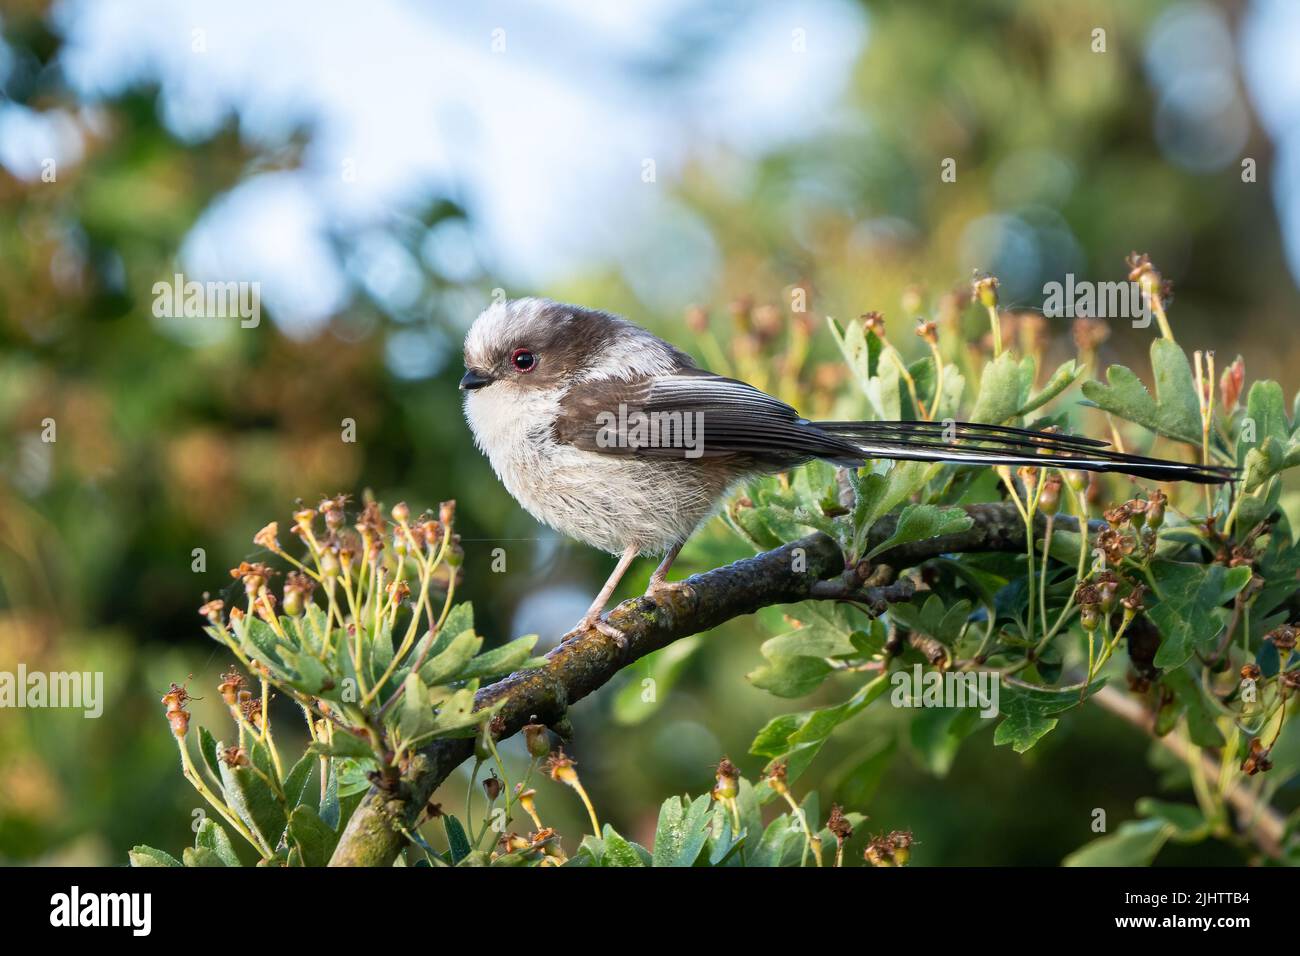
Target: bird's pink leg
592	617
659	579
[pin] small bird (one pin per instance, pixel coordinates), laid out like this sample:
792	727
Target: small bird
612	436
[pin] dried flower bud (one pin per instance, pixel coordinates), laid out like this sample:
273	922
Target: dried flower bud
839	824
251	710
560	768
492	787
1283	638
1250	671
447	513
268	537
1230	385
401	512
1117	516
902	841
235	757
1155	515
174	701
1257	760
874	322
1132	601
984	290
537	740
232	682
212	610
727	785
929	331
1049	499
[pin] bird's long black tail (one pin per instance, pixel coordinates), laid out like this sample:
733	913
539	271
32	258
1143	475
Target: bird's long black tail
1003	445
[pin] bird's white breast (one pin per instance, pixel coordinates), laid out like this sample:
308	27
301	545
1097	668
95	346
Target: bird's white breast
608	501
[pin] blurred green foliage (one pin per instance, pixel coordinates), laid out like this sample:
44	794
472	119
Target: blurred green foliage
166	444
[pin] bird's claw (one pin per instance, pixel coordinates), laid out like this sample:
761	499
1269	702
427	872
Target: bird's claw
604	627
657	588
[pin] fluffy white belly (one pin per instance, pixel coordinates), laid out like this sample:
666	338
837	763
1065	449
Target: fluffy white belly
608	501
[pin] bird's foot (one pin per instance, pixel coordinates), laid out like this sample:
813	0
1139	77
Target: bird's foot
604	627
661	587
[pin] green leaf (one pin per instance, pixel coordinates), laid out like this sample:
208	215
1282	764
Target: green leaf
418	719
457	841
451	659
933	619
621	852
251	797
295	785
682	831
1200	718
1186	819
799	737
790	676
315	839
211	836
1028	712
1065	376
208	748
1174	411
344	744
142	855
201	856
1004	389
500	660
1186	611
1135	843
920	522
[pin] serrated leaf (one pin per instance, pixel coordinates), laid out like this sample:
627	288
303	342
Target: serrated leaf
621	852
500	660
457	841
1174	411
251	797
142	855
682	831
208	749
451	659
211	836
314	838
418	719
200	857
1004	389
1185	611
1028	712
920	522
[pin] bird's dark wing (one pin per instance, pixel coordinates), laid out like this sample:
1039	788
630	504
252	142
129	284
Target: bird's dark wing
693	414
699	414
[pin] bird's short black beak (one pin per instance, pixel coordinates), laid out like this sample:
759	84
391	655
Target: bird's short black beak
474	379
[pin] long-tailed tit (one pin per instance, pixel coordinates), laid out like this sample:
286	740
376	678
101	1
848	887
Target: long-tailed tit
612	436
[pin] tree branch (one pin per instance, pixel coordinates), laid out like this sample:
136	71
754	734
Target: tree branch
584	661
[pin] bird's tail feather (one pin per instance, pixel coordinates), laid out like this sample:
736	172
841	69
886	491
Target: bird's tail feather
978	444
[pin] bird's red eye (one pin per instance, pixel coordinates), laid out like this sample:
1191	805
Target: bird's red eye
523	360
